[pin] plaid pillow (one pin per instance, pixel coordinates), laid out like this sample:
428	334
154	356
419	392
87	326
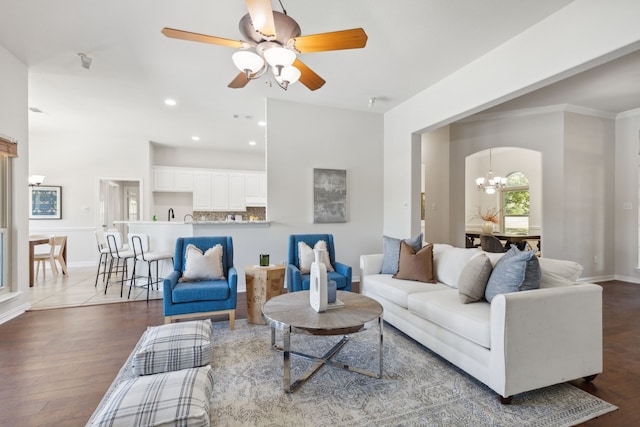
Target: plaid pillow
173	347
169	399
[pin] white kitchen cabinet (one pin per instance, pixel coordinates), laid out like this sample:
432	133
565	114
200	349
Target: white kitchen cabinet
256	189
172	179
237	199
202	191
217	190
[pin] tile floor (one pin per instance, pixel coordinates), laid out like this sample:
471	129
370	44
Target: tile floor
77	289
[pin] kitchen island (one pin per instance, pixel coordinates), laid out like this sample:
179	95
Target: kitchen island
250	239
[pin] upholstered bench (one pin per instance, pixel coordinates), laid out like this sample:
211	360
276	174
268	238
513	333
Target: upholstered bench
166	380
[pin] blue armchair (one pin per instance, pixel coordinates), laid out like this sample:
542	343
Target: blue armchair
296	281
202	298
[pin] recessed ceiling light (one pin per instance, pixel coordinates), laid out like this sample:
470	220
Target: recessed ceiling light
252	143
170	102
195	138
262	123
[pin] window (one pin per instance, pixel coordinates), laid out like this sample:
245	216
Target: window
515	204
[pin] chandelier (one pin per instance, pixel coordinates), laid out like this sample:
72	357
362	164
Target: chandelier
489	184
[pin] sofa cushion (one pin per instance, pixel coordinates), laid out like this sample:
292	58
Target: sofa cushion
173	347
415	265
391	249
470	321
202	266
515	271
473	279
449	262
168	399
216	290
396	290
557	272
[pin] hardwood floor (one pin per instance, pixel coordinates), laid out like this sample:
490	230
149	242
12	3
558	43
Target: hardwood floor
57	364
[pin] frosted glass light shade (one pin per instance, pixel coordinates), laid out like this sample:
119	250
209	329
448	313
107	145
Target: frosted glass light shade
245	60
289	74
279	56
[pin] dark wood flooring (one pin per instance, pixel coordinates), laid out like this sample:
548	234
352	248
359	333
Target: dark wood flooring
55	365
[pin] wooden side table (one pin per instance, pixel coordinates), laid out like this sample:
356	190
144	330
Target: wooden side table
263	283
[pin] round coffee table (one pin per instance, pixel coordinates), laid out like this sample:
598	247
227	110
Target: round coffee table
292	313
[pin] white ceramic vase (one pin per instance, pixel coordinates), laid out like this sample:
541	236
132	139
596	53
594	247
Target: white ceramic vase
318	283
487	227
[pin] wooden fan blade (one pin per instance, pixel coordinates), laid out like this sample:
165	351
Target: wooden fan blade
203	38
308	77
239	81
262	18
347	39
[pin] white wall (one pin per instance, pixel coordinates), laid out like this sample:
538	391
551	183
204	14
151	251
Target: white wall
435	157
627	162
208	159
80	160
14	124
535	58
301	138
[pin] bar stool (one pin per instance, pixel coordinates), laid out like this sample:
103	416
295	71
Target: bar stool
103	251
140	244
120	256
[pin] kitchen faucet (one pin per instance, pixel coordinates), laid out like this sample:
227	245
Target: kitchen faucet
170	214
185	217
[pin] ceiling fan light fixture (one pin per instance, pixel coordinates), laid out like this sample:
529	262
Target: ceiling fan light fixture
247	62
279	58
288	76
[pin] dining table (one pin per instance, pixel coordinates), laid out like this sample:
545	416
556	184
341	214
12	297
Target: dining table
511	237
33	242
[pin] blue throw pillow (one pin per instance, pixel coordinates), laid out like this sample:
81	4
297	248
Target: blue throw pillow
391	250
515	271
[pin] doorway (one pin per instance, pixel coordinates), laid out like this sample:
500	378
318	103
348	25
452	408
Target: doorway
119	200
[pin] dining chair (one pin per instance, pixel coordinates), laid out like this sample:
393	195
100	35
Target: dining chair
51	255
118	255
140	244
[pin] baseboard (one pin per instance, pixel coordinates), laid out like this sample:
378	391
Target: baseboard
634	280
595	279
15	312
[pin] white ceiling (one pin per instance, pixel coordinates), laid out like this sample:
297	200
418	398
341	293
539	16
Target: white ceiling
412	44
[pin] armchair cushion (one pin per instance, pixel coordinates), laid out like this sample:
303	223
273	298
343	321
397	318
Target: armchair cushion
306	256
199	266
206	290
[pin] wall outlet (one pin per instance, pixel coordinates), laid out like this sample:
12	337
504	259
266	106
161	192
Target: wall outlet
627	206
595	259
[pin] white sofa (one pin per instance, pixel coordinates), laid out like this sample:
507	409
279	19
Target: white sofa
520	341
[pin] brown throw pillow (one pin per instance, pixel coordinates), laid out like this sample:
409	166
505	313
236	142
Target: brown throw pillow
415	265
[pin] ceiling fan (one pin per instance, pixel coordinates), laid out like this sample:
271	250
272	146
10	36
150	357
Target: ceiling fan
272	41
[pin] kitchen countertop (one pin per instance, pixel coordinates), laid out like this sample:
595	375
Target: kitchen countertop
195	222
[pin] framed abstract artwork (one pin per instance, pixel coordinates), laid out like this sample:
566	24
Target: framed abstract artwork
45	202
329	196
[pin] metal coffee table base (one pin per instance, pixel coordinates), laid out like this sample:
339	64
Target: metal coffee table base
326	359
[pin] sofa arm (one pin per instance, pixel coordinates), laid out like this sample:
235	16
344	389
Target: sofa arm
170	282
545	336
371	264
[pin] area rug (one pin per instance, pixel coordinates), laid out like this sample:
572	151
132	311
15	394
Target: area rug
418	388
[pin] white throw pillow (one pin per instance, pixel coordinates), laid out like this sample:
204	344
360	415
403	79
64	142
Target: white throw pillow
199	266
306	256
448	263
557	272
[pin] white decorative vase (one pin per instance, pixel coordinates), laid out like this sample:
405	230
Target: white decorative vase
318	283
487	227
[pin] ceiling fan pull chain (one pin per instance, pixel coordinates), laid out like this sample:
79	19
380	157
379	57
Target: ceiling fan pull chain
281	6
